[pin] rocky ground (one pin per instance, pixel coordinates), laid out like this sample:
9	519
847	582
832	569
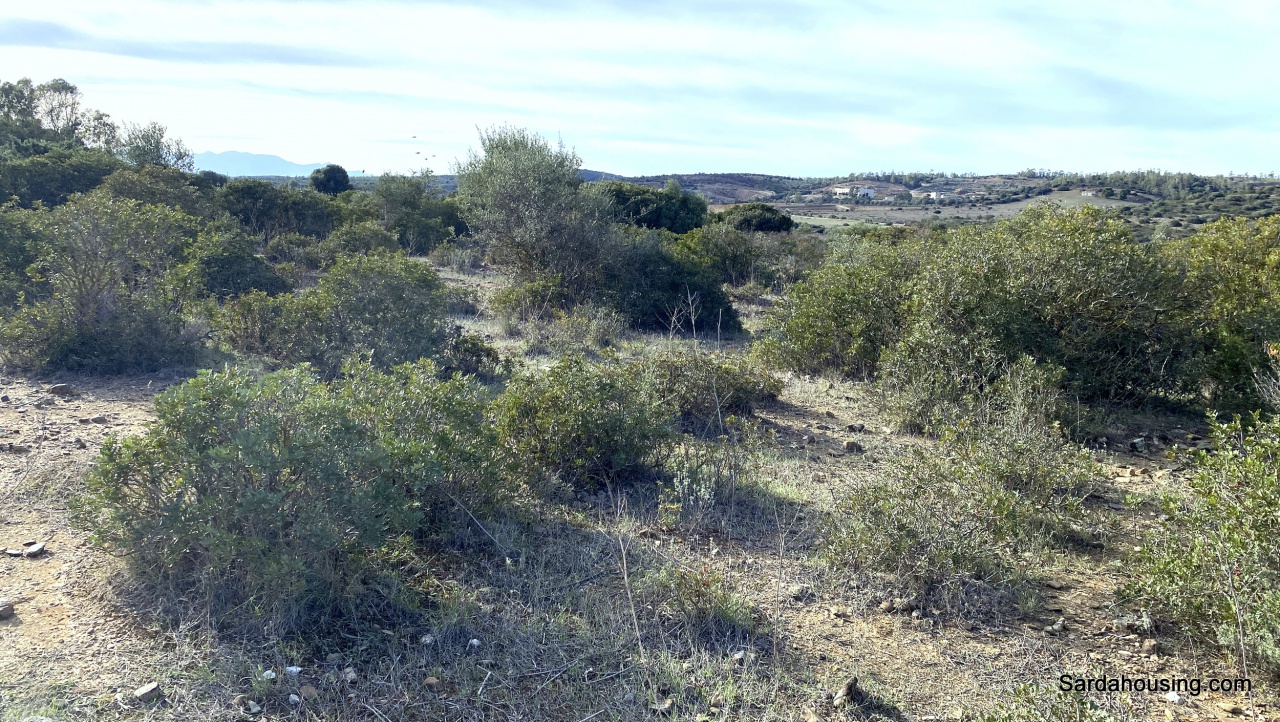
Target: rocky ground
77	645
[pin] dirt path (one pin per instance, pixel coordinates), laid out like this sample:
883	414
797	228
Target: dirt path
66	633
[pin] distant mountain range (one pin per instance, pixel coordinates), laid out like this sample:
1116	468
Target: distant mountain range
235	163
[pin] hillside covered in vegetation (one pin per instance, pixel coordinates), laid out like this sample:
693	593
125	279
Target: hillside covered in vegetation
543	447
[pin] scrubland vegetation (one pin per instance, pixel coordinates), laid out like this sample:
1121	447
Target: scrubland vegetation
368	460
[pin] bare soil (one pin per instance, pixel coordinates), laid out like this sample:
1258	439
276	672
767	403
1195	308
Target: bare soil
555	613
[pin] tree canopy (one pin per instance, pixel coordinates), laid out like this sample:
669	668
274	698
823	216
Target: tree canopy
670	208
331	180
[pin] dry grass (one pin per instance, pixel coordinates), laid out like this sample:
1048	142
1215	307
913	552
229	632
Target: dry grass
590	608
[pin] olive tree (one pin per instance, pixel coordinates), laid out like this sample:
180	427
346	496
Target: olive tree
523	197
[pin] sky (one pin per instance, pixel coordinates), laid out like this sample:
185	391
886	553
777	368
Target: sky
787	87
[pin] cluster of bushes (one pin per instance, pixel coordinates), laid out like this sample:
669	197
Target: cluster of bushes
670	208
382	303
936	318
276	501
242	255
105	290
527	202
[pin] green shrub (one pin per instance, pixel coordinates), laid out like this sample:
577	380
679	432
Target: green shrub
305	251
1232	302
159	186
522	302
361	238
1065	286
936	378
708	387
945	313
113	299
844	315
736	257
227	267
382	303
642	278
471	355
952	523
135	336
462	301
264	503
526	200
756	217
670	208
1214	565
586	423
18	244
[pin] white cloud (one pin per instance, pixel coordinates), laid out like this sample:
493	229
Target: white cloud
801	88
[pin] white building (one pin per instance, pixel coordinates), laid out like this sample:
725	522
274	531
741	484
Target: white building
866	192
841	191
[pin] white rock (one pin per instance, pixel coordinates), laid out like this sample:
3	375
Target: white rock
295	699
268	674
1172	697
475	643
428	639
293	671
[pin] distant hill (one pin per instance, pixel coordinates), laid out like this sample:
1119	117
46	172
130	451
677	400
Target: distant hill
235	163
449	183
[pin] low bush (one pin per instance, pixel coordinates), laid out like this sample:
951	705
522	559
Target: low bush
938	316
586	424
645	280
18	250
1232	303
111	297
304	251
951	524
584	329
227	267
461	301
844	315
1213	566
523	302
708	387
382	303
136	336
702	475
363	237
263	503
470	355
1065	286
756	217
